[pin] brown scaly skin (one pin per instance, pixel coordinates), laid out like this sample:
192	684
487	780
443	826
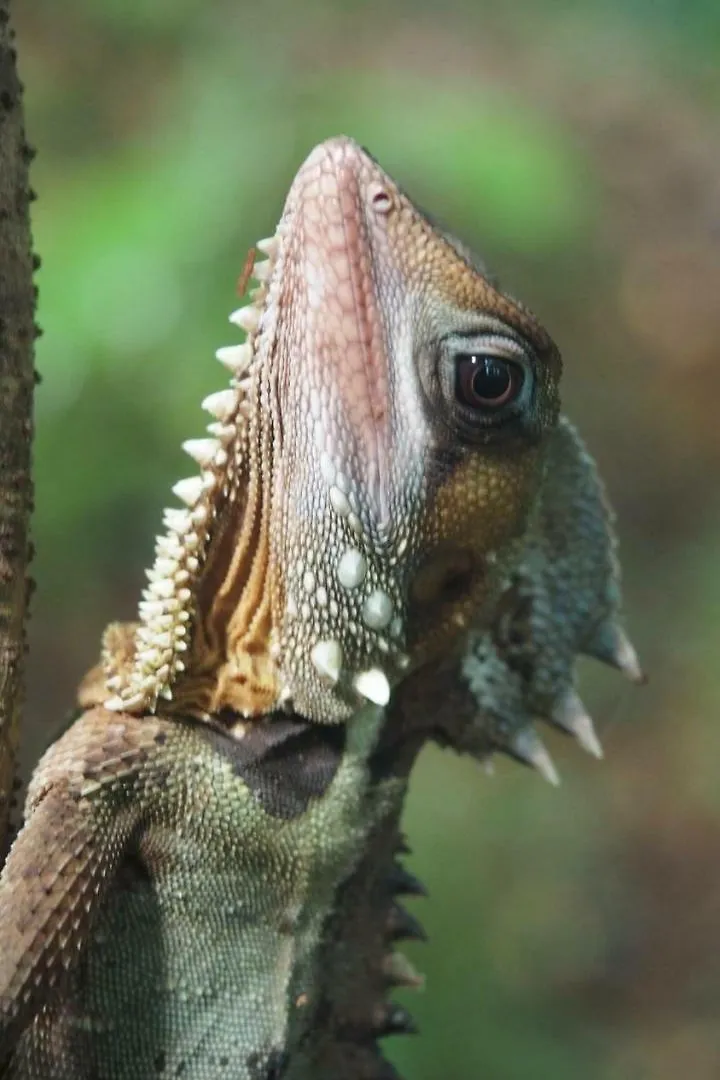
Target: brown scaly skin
383	548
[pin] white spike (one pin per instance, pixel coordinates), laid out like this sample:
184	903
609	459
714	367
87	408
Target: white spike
570	715
627	659
149	658
373	685
223	432
189	490
164	588
176	520
115	704
527	746
327	656
611	644
222	404
587	736
165	567
152	608
268	246
261	270
236	358
247	318
202	450
544	764
167	546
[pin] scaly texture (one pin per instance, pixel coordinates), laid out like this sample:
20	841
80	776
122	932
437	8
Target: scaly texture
393	538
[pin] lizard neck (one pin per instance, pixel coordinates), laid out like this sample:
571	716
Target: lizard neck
335	1031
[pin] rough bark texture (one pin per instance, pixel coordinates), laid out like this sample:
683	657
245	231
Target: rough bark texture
17	332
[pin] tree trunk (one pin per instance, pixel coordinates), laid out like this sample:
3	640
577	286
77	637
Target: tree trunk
17	332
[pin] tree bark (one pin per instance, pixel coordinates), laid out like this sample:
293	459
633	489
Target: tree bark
17	334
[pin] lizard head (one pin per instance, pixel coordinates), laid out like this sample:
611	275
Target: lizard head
371	471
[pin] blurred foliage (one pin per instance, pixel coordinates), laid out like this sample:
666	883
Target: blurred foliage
577	148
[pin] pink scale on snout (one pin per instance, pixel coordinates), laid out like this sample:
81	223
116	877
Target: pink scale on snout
345	337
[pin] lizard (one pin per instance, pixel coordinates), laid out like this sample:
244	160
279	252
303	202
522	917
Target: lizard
394	538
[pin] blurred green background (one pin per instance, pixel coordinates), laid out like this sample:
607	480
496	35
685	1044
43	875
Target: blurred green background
574	933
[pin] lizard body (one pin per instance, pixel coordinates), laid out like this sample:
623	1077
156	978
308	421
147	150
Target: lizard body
394	537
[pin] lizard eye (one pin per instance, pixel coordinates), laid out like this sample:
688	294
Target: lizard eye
487	382
483	382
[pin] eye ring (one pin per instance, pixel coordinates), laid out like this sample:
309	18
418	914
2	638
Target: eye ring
486	382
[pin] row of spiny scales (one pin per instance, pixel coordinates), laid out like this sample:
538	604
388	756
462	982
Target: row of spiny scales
166	608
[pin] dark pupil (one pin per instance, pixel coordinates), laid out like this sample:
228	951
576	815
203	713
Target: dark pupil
491	378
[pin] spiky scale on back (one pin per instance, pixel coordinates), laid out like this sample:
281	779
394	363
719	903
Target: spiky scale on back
392	538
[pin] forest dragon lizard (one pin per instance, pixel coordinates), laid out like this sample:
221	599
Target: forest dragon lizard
394	537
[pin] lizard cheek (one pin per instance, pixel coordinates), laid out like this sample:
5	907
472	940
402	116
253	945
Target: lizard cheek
443	596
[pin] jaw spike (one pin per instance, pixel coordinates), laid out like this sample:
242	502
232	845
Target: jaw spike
189	490
527	748
246	318
587	737
571	716
373	685
611	645
223	432
178	521
268	246
261	270
236	358
222	404
203	451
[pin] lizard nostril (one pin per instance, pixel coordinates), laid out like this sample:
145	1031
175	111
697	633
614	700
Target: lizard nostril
380	199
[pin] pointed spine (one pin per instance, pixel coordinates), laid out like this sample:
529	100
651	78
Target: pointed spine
402	926
526	747
403	883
